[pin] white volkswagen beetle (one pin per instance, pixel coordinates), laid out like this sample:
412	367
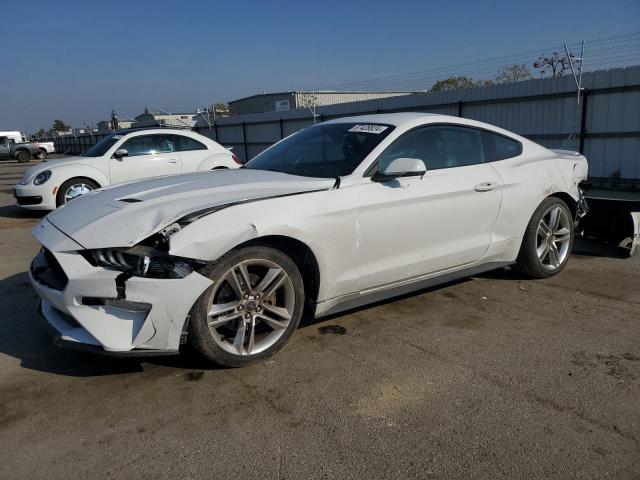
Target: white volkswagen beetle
335	216
120	157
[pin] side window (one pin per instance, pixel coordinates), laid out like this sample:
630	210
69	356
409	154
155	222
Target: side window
186	144
165	143
3	141
438	147
497	147
149	144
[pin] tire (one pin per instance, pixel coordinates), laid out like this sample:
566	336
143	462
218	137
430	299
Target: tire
83	185
42	154
545	251
23	156
241	310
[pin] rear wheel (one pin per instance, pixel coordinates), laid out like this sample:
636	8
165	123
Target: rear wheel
74	188
548	240
23	156
252	308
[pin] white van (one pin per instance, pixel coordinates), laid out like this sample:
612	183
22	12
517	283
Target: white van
15	135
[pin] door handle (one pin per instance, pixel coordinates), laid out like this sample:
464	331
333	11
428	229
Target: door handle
173	160
485	186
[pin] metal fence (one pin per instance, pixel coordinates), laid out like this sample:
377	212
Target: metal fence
605	125
76	145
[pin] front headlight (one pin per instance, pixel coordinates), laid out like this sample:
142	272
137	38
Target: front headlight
42	177
141	262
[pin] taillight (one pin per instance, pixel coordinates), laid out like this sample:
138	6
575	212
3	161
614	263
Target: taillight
236	159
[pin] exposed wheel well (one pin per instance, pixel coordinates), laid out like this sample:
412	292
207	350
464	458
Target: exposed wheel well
568	199
42	149
302	256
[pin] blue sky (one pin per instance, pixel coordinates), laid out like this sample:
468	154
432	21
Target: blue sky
77	60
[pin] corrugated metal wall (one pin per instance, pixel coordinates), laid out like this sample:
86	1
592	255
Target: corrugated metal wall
605	126
545	111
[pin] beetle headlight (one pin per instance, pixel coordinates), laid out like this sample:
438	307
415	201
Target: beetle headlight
140	262
42	177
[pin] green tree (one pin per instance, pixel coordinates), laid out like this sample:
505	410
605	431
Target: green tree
513	73
60	126
454	83
40	133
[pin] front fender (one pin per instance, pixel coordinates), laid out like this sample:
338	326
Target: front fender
211	237
62	173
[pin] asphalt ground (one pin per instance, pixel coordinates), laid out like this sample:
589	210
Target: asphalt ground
492	377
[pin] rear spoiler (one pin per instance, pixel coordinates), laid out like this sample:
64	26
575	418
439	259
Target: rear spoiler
565	153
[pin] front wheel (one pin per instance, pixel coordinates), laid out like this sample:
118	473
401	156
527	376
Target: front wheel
42	154
252	308
74	188
23	156
547	241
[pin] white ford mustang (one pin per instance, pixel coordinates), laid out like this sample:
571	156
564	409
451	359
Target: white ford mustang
335	216
123	156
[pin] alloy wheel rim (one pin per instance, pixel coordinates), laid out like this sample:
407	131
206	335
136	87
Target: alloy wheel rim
74	191
553	238
250	307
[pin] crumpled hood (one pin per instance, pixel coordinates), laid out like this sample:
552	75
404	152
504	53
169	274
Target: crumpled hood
123	215
50	164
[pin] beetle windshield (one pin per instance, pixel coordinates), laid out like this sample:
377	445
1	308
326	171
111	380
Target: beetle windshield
327	150
102	146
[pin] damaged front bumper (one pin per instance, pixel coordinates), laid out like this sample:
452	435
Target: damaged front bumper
90	307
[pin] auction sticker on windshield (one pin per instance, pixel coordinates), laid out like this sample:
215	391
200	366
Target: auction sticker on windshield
368	128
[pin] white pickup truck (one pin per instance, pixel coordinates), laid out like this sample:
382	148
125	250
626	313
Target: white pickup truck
44	149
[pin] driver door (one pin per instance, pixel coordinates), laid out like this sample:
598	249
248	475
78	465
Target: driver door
147	156
5	148
410	227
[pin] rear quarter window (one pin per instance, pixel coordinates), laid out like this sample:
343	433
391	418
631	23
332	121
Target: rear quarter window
499	147
187	144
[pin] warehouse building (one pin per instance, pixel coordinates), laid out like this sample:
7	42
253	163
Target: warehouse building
276	102
165	119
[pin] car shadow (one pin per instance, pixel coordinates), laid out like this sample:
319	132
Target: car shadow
24	337
309	321
13	211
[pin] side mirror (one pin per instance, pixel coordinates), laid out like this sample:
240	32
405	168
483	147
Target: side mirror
121	152
400	167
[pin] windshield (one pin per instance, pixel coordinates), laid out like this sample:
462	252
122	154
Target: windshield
102	146
327	150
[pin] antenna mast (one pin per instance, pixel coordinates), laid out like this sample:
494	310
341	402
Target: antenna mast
579	61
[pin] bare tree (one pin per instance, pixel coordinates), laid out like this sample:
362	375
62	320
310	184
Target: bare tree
115	123
513	73
555	64
308	100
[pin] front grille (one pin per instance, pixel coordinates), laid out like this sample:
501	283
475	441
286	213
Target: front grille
35	200
49	272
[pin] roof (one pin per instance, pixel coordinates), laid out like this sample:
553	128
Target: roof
173	129
315	92
389	118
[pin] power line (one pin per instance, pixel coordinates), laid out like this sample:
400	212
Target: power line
602	47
